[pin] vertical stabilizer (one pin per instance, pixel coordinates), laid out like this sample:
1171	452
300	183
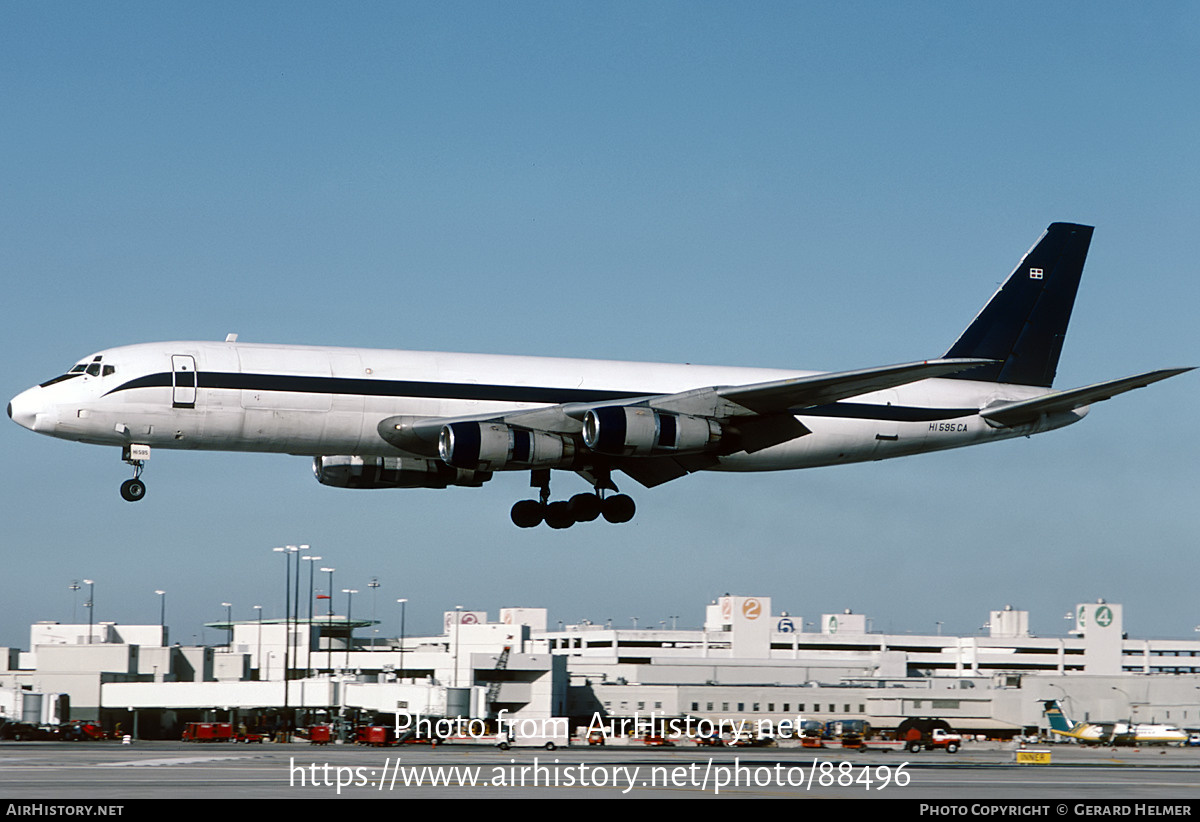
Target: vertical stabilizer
1024	324
1058	719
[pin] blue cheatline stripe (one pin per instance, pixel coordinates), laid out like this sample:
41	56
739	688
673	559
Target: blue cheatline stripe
502	393
384	388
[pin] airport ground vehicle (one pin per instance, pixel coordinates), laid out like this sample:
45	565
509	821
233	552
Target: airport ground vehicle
377	736
657	741
749	739
915	741
856	742
208	732
550	743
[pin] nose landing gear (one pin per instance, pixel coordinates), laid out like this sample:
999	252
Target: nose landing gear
132	490
528	513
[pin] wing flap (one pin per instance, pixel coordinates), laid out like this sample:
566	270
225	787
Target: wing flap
802	392
652	471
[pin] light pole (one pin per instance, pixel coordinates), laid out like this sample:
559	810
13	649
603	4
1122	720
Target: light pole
329	622
312	564
74	589
374	586
349	592
90	605
1132	706
457	622
287	551
229	621
402	602
162	611
258	661
296	608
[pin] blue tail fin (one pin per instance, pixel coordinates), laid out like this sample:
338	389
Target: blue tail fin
1058	719
1024	324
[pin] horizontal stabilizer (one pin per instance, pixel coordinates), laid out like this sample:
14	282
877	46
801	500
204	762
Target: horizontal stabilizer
1025	411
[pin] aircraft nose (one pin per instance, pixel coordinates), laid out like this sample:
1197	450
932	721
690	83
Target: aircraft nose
23	408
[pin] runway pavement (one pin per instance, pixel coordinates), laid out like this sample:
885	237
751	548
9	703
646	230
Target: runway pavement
109	771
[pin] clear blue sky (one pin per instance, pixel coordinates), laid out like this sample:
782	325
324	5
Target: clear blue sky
808	185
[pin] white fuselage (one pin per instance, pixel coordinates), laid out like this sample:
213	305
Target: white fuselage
1143	734
329	401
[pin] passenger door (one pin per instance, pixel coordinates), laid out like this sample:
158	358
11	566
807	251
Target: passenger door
183	381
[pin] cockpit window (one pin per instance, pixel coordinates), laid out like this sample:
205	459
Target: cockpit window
67	376
93	368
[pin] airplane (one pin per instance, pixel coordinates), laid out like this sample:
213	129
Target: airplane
1110	733
415	419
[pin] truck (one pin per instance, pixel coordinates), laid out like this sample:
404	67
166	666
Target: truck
550	737
855	741
925	732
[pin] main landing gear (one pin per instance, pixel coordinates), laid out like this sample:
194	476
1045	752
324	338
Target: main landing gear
529	513
132	490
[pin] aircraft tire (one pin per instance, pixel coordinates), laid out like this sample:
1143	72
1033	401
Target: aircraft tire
585	507
133	490
619	508
527	513
558	515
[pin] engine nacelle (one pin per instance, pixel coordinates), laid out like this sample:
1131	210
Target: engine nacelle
491	446
628	431
392	472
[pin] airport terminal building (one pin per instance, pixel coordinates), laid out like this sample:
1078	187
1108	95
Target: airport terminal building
745	663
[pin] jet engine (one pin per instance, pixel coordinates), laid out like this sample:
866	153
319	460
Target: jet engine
629	431
490	446
392	472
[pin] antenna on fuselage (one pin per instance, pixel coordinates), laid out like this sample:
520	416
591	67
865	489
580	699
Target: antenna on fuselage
231	338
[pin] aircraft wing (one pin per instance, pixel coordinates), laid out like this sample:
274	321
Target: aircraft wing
1025	411
762	414
803	392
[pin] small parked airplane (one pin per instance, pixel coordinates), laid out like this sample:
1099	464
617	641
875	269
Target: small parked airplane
411	419
1110	733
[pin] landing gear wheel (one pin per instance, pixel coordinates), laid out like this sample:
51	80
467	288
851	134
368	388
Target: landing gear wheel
585	507
133	490
619	508
558	515
528	513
